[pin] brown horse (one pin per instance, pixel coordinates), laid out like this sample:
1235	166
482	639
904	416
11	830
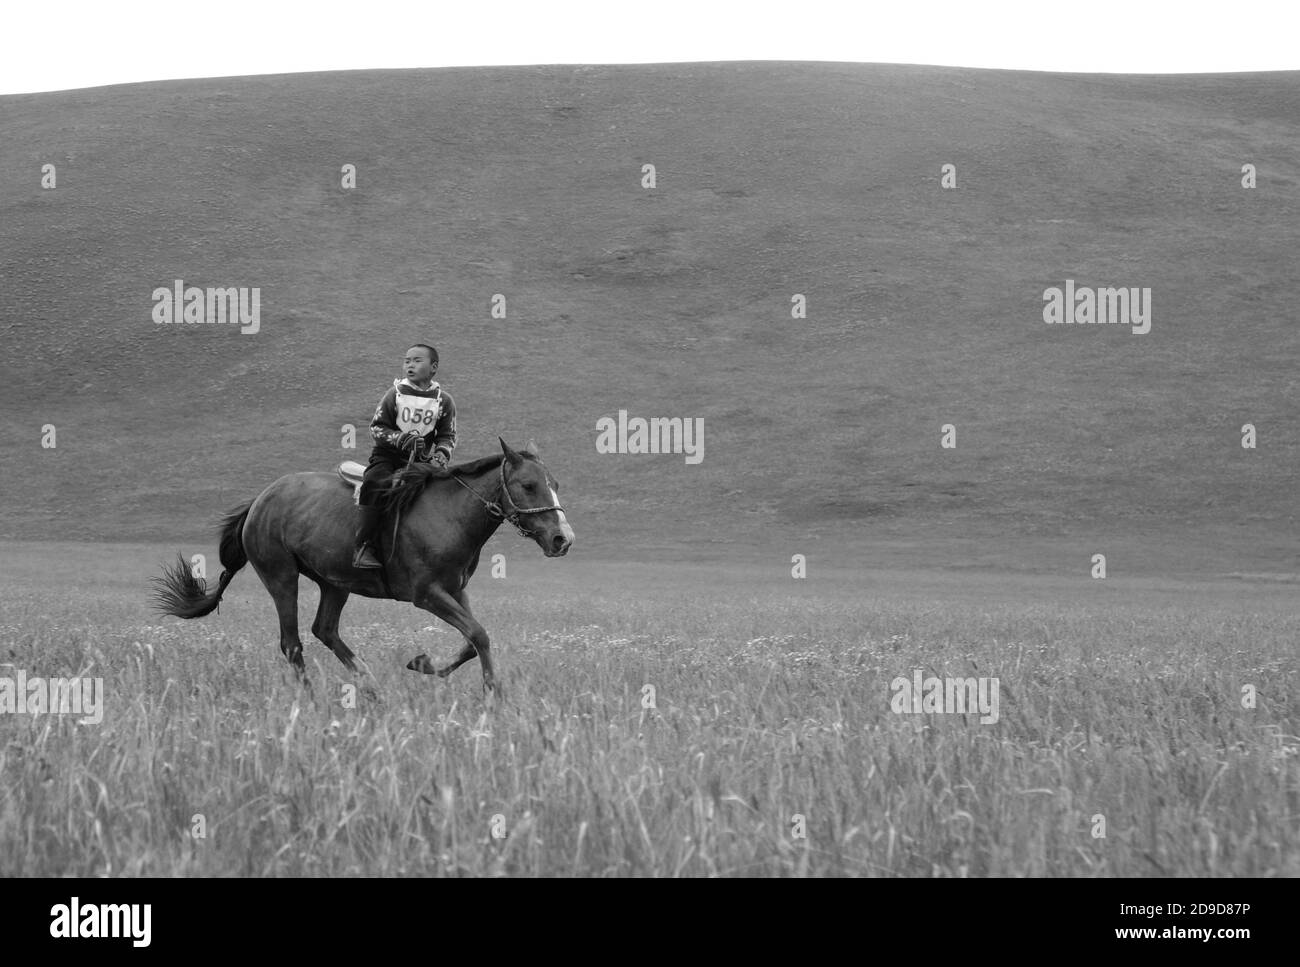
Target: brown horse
436	523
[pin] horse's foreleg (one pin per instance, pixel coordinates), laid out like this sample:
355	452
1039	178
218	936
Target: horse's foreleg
467	653
422	663
453	608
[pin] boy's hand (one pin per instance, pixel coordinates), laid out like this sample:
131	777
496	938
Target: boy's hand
410	440
439	458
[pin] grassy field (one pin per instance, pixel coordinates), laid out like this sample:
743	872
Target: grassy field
1118	699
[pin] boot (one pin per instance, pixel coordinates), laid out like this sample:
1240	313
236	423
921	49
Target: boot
364	556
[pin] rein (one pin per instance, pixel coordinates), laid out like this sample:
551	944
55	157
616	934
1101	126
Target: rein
397	517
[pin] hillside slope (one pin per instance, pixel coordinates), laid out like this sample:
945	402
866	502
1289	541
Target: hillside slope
924	305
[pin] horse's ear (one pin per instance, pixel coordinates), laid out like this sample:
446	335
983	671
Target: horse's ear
531	449
510	454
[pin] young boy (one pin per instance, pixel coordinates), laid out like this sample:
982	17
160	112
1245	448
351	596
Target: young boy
414	415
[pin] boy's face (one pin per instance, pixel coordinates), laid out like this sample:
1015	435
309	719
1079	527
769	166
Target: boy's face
418	366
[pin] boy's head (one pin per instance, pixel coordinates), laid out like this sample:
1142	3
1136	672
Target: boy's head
421	362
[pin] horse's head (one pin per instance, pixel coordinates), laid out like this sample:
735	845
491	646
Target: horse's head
530	497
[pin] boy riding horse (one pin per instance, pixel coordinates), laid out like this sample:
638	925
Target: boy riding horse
414	417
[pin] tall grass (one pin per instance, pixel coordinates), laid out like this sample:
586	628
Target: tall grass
766	710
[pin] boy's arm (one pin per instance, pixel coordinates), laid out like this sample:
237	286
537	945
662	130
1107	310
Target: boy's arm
444	431
383	426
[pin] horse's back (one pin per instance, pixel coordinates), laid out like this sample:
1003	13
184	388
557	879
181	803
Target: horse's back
301	503
306	523
307	485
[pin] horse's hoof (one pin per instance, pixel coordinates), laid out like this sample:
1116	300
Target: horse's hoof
421	663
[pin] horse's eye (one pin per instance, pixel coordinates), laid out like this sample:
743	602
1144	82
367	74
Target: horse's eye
530	488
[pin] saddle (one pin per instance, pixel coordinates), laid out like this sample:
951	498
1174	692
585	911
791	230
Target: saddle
351	473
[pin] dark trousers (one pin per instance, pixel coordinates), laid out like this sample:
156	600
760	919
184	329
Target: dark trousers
383	464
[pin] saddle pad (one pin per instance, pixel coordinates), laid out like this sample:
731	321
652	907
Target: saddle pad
351	473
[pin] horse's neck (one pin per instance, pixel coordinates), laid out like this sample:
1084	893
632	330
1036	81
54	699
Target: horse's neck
471	512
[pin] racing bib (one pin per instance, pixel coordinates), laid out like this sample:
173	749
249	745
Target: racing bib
418	413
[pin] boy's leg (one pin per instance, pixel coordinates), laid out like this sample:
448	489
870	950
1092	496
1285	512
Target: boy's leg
377	473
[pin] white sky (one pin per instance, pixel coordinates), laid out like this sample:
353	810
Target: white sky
61	45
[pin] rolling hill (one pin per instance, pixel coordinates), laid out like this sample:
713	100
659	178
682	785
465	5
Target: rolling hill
822	434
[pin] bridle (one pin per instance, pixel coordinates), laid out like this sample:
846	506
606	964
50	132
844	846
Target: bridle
512	511
493	508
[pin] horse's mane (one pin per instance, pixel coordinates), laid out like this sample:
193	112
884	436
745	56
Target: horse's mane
408	483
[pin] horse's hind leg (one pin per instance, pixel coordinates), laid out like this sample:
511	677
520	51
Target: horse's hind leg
326	625
280	575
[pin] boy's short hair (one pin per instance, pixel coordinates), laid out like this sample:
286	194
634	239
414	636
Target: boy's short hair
433	353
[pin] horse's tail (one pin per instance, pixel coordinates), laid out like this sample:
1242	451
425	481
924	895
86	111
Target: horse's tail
178	592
